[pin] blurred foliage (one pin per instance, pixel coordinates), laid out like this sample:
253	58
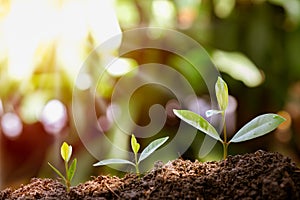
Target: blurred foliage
254	43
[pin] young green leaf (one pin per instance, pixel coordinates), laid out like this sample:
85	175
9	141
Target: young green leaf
72	170
222	93
198	122
113	161
66	151
134	144
152	147
57	171
257	127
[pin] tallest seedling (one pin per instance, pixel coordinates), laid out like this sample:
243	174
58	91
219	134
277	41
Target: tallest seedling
257	127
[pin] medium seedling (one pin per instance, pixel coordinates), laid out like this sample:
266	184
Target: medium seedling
66	152
135	148
257	127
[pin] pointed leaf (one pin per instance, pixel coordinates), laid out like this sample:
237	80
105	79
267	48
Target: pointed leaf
134	144
222	93
66	151
152	147
257	127
113	161
57	171
198	122
210	113
72	169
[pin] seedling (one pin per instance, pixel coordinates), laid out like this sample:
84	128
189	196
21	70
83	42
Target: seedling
135	148
257	127
66	152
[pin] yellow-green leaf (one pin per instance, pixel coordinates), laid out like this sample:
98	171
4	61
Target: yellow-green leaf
66	151
134	144
222	93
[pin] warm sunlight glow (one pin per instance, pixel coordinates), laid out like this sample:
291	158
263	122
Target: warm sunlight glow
34	24
22	39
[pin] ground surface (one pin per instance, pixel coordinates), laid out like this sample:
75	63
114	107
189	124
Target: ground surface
260	175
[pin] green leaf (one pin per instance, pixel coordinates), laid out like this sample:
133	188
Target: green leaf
134	144
57	171
72	169
222	93
210	113
152	147
198	122
257	127
113	161
66	151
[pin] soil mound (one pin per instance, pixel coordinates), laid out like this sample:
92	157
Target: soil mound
260	175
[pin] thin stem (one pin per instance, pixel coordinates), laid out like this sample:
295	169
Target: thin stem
68	184
225	143
224	129
136	164
225	148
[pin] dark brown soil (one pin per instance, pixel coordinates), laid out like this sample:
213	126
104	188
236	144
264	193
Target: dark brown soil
260	175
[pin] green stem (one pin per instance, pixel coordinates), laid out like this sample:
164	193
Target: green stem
224	129
225	143
67	181
136	164
225	148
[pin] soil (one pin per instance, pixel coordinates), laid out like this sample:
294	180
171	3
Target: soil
260	175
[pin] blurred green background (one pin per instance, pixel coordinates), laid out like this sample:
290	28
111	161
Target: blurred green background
254	44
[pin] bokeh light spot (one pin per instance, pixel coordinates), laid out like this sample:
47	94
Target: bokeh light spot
283	137
121	66
1	108
239	67
170	105
113	111
104	123
11	125
84	81
32	106
54	116
223	8
286	124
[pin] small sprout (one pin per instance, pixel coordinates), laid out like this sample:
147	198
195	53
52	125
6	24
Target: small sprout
135	148
257	127
66	152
